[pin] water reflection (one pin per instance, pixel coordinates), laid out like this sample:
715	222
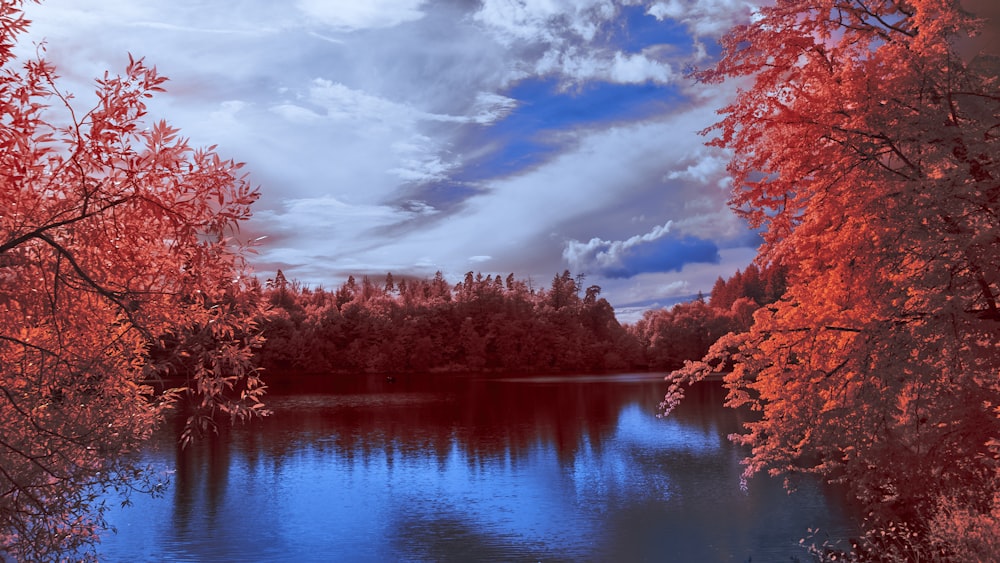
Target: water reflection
460	468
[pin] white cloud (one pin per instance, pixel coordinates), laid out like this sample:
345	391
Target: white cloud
570	195
704	18
228	111
490	107
336	234
329	215
524	220
705	214
368	14
638	68
715	222
295	114
420	160
562	38
703	165
605	255
335	124
547	21
159	25
342	103
653	287
578	67
418	157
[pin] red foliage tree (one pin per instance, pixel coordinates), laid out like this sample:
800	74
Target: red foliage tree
866	148
483	324
115	241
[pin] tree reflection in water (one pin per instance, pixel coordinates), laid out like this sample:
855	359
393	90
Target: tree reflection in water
457	468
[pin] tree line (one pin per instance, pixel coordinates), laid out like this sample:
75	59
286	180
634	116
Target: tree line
414	325
672	336
490	323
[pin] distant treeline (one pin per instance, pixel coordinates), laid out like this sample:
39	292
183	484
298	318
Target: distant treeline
488	323
669	337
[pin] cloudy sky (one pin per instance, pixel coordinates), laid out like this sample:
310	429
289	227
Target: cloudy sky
409	136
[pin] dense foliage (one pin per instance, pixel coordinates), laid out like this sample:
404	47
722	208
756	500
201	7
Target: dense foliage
415	325
486	323
686	331
866	148
114	236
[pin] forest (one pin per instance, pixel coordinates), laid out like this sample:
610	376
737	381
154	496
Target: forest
487	323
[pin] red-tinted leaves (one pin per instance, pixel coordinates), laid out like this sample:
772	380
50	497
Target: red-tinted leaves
866	148
115	239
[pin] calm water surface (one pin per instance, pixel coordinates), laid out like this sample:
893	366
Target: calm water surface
459	468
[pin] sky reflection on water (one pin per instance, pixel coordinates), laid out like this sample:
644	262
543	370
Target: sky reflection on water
449	468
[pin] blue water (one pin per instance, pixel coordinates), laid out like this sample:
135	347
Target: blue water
459	468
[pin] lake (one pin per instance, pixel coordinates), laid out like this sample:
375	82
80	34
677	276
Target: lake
459	468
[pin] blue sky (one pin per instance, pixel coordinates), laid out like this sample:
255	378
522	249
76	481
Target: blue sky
410	136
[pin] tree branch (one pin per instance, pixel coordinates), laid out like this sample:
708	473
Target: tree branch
38	232
112	296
